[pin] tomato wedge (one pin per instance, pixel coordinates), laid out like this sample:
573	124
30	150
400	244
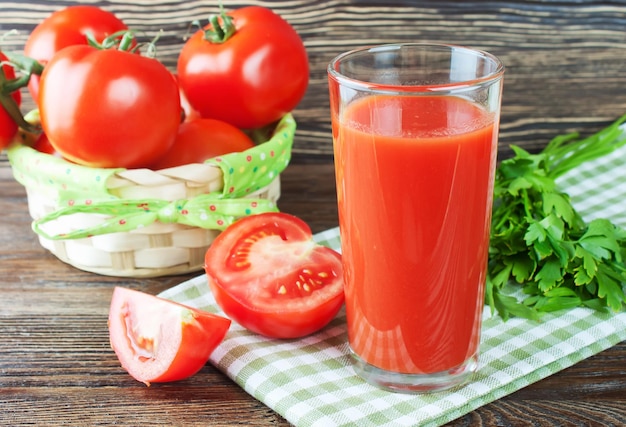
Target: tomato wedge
157	340
268	275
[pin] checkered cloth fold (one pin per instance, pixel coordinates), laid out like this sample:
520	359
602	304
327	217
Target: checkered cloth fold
310	381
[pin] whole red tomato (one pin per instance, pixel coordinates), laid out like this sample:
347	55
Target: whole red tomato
252	78
201	139
268	275
8	126
108	108
67	27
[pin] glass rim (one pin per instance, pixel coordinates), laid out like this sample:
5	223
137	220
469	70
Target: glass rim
353	83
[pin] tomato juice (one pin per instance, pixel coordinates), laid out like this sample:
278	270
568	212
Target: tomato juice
415	186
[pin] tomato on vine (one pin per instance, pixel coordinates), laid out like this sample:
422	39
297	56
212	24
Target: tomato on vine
248	68
9	103
108	108
67	27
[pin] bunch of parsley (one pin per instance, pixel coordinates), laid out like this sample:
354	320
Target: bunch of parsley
541	243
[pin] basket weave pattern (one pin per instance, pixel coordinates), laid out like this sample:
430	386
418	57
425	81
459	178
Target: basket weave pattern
145	223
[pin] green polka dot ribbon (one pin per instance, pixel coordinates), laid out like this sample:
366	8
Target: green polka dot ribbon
206	211
255	168
80	189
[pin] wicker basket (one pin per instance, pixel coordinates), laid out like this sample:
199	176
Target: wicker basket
145	223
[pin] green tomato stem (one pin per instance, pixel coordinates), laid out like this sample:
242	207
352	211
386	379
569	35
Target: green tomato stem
8	86
220	32
126	43
26	66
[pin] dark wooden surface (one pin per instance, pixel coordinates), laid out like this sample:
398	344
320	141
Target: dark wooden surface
566	71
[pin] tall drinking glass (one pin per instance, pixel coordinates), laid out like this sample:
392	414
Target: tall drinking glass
415	131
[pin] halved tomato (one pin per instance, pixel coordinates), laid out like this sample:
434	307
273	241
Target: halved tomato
268	275
157	340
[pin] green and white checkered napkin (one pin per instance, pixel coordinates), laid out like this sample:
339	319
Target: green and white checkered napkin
310	381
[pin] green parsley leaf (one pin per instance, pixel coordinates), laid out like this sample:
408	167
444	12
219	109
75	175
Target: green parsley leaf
539	240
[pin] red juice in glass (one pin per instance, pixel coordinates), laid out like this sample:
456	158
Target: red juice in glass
416	216
414	187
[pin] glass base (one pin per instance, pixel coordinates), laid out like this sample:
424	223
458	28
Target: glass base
415	383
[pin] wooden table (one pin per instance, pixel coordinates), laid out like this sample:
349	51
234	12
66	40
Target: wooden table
566	71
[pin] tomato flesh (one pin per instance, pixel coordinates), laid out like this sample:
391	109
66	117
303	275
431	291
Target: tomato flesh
268	275
157	340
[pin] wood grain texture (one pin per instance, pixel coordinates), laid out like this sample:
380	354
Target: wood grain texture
565	59
566	68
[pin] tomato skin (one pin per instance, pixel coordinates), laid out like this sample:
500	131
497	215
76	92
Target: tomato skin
67	27
108	108
157	340
275	324
253	270
201	139
253	78
188	112
42	144
8	127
